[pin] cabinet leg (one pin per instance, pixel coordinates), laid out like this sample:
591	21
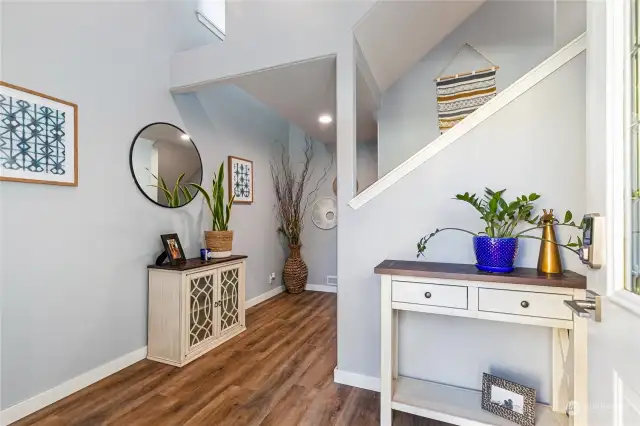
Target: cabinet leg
560	372
579	408
387	351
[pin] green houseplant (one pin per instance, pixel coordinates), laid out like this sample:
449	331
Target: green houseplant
219	240
176	197
496	246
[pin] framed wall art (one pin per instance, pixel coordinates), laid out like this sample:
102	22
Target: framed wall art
240	180
38	137
510	400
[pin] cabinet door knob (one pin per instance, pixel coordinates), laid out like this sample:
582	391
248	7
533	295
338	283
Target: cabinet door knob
427	295
524	304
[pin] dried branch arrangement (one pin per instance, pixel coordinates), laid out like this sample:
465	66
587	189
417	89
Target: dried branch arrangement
290	188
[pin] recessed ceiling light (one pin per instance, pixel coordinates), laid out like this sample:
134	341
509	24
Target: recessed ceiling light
184	137
325	119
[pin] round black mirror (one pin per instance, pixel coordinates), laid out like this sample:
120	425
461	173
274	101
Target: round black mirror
163	160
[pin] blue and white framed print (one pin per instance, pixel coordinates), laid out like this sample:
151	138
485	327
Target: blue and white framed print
240	180
38	137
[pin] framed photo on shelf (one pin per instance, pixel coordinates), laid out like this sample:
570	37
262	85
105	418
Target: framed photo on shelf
510	400
173	248
240	180
38	137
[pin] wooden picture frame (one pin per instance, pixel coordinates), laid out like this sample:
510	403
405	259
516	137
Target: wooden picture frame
57	123
237	179
173	248
519	401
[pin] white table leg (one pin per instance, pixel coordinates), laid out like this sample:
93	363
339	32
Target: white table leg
387	354
560	384
580	391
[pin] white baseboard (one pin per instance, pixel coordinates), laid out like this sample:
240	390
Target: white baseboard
37	402
264	296
356	380
322	287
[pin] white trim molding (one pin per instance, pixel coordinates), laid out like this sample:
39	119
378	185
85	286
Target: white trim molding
526	82
356	380
322	287
264	296
37	402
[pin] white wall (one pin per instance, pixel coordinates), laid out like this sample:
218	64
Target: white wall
144	158
531	145
285	31
74	291
516	36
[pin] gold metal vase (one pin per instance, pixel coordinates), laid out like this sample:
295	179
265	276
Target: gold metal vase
549	258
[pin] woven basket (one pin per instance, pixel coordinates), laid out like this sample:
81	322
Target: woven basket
295	271
219	242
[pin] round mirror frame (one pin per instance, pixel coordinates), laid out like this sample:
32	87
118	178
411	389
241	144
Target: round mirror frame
135	180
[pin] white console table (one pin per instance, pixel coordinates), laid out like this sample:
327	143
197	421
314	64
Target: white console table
522	297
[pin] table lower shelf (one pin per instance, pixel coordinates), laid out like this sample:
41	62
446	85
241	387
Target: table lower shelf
457	406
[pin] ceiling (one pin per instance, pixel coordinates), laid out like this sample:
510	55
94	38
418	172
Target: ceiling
394	35
165	132
301	92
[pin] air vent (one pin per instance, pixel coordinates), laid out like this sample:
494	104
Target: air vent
332	280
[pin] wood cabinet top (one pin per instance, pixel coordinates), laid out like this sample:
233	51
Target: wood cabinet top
197	263
456	271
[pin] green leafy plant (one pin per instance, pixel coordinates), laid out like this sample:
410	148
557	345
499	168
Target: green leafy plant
502	218
176	195
220	212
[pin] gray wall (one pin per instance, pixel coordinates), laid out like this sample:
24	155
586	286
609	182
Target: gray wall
516	36
530	145
74	285
319	248
230	122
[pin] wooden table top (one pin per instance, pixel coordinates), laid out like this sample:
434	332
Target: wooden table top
457	271
196	262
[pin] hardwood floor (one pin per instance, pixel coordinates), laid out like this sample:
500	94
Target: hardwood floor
279	372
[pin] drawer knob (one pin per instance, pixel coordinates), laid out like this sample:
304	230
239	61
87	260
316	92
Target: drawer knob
427	295
524	304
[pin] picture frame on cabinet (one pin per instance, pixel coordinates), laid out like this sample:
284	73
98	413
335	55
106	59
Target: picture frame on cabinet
173	248
510	400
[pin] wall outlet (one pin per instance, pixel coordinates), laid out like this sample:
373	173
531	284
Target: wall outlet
272	277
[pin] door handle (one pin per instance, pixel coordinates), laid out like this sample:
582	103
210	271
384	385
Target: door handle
581	308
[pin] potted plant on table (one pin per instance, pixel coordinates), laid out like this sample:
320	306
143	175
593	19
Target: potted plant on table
496	246
219	240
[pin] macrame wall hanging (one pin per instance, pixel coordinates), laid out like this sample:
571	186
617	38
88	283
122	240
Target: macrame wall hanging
461	94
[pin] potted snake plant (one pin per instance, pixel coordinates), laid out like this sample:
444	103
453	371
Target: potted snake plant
220	239
496	246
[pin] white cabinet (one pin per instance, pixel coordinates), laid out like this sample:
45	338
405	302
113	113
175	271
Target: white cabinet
194	307
522	297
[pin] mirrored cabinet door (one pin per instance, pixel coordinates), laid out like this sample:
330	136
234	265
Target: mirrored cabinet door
229	309
202	310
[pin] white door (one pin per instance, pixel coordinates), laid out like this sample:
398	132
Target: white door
200	310
612	177
230	300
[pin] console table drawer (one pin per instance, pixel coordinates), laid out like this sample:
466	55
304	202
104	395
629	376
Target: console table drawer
544	305
449	296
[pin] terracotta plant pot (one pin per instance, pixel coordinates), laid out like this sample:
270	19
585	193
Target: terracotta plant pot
219	242
295	271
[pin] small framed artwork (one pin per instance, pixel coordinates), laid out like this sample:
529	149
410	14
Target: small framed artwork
173	248
240	180
38	137
510	400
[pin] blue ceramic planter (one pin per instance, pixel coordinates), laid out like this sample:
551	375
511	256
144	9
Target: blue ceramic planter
495	254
